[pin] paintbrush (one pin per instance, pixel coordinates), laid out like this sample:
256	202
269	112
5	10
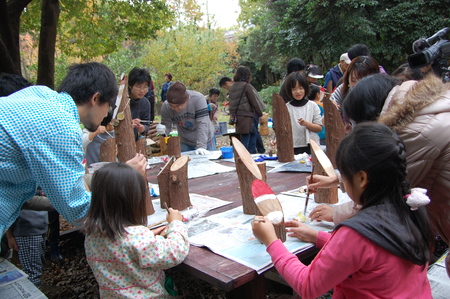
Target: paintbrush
268	204
307	192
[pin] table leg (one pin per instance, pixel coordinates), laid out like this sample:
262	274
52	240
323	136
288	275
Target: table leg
254	289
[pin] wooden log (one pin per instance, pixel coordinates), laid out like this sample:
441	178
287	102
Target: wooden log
334	129
264	124
124	136
174	147
263	169
323	166
247	172
280	231
108	151
178	184
283	129
141	146
163	183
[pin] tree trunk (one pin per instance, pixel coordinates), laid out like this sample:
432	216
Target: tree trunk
283	129
247	171
323	166
179	189
47	43
126	146
108	150
334	129
141	146
173	146
10	12
163	183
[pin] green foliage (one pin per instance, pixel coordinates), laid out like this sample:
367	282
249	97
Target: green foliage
266	95
196	56
91	28
319	31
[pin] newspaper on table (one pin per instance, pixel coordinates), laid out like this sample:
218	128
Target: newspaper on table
201	204
439	280
14	283
229	234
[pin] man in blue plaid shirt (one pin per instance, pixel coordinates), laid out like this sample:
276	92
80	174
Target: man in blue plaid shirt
40	141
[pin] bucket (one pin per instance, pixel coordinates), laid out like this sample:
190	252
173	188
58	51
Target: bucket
223	127
227	152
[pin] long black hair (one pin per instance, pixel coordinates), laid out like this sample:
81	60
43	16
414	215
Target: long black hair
375	149
118	200
365	100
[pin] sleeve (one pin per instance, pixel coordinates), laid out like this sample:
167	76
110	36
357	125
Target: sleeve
164	253
251	96
55	161
327	79
145	114
166	120
317	118
337	96
322	238
85	138
344	254
344	211
203	123
38	203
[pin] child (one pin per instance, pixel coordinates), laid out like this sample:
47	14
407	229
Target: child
127	258
316	95
92	153
383	250
27	237
305	116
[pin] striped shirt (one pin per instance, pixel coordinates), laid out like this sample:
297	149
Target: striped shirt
41	145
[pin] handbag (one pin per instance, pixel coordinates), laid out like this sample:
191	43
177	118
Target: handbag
233	116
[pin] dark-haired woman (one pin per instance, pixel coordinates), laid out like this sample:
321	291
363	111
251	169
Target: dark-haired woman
244	105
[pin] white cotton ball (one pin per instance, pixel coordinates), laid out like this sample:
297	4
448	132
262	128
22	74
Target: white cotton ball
276	217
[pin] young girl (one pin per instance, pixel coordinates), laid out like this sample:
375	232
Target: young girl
380	252
127	258
305	116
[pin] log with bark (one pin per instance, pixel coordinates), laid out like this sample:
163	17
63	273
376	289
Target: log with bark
283	129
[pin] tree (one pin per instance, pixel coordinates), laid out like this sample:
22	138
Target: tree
86	28
319	31
196	56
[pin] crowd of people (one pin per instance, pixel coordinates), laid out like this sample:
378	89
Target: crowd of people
393	163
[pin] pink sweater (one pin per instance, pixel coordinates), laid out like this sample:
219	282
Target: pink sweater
355	267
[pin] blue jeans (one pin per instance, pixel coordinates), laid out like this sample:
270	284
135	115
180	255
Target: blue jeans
210	146
249	140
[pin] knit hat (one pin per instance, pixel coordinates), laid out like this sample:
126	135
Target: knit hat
177	93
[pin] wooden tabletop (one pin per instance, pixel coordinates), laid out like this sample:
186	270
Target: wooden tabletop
203	263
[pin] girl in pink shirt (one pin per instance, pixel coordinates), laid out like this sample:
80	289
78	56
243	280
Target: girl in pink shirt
384	249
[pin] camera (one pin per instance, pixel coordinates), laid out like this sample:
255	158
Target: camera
425	53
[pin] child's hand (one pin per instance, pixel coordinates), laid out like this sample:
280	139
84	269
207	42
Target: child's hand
302	122
159	230
264	230
173	215
301	231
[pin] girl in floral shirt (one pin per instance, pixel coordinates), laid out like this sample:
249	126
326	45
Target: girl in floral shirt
128	258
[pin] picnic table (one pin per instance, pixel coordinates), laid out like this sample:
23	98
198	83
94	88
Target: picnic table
239	281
